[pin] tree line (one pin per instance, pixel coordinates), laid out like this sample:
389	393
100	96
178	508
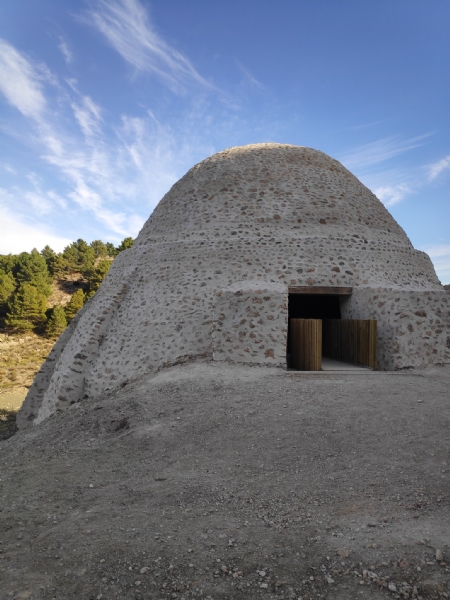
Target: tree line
27	281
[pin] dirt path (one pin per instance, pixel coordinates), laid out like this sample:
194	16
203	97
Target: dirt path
212	481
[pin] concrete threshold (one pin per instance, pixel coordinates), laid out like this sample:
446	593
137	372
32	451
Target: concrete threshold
329	364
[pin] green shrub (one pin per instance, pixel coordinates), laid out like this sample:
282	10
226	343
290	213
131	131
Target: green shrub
27	308
98	276
7	287
75	304
125	244
31	267
56	323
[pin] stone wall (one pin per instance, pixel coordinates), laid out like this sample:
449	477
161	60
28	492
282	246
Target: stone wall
241	226
39	387
413	326
250	324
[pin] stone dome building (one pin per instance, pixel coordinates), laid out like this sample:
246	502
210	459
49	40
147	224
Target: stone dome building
211	273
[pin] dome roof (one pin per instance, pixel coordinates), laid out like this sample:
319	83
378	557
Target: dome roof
271	188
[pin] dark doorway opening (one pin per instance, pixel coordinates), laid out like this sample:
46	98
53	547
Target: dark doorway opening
314	306
311	306
318	338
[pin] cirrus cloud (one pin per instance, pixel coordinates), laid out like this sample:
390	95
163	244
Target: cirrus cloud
392	194
20	82
439	167
128	29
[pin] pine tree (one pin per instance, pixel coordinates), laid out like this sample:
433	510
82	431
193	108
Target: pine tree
26	309
50	258
31	268
79	257
7	262
60	266
99	248
7	286
98	276
110	249
125	244
56	323
75	304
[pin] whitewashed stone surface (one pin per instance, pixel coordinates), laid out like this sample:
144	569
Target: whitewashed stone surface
208	276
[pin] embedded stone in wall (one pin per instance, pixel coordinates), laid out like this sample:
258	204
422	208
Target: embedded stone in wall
250	324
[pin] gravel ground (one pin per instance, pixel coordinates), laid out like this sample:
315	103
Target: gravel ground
216	481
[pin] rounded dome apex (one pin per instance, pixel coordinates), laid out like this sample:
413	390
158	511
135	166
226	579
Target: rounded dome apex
278	187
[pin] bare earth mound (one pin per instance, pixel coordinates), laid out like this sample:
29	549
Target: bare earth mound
220	481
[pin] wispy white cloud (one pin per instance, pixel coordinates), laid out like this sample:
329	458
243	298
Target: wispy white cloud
392	184
440	256
128	28
371	163
115	170
359	127
42	201
72	83
374	153
65	50
20	82
9	169
34	179
439	167
249	76
95	185
88	115
40	204
19	236
438	251
57	199
91	170
392	194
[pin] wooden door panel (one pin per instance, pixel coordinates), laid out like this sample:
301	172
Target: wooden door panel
351	340
306	344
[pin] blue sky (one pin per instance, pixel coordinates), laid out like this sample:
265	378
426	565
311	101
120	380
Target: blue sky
104	104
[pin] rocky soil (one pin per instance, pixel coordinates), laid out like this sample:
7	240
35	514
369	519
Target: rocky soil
213	481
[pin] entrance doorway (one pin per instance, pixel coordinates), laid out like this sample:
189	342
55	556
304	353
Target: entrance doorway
316	331
314	306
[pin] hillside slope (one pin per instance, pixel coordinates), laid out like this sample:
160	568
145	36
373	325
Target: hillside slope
21	357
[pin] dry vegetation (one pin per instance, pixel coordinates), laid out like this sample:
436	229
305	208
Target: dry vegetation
63	289
21	357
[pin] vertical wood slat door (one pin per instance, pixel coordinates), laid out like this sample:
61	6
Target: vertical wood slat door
351	340
306	344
